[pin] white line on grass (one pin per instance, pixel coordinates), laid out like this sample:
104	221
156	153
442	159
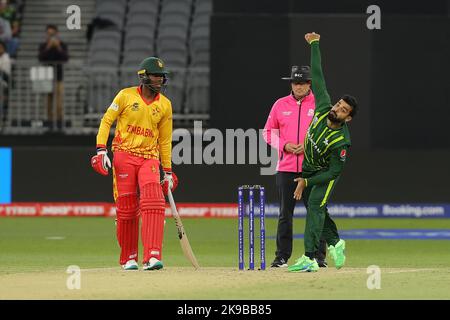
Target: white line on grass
103	269
410	270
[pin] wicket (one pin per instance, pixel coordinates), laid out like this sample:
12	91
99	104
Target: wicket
251	218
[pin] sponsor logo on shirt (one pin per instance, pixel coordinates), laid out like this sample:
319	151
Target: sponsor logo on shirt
287	113
310	112
343	154
315	146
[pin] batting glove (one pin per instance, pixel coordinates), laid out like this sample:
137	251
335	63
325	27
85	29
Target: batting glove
100	162
170	181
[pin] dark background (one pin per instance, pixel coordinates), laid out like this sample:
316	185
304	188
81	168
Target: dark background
401	148
64	174
399	73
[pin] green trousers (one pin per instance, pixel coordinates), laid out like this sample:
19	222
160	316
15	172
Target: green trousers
318	221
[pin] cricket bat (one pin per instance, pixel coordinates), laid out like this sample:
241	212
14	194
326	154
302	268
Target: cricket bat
187	250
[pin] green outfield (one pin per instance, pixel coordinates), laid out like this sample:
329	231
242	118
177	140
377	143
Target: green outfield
36	252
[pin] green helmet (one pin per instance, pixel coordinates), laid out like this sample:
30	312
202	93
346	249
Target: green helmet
152	65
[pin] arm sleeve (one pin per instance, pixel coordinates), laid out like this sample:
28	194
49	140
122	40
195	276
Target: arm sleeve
271	132
108	119
337	161
165	139
323	101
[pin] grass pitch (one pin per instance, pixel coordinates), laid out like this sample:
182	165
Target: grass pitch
36	252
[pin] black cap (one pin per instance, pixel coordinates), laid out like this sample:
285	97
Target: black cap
302	73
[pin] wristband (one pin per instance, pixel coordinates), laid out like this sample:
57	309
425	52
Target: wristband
101	147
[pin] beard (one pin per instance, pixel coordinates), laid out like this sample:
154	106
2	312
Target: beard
333	117
156	87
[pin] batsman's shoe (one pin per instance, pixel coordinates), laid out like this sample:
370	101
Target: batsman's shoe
153	264
304	264
130	265
337	252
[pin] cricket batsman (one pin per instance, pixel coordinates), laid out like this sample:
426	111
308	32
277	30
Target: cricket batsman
325	149
142	142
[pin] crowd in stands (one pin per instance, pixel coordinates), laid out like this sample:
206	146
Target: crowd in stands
5	72
10	25
9	43
119	35
54	51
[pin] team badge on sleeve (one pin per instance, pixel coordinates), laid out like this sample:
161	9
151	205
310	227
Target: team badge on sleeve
343	154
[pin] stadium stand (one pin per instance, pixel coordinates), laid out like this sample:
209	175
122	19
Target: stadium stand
198	88
104	54
112	10
27	103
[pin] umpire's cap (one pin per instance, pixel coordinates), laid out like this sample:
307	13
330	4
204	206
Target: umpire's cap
299	74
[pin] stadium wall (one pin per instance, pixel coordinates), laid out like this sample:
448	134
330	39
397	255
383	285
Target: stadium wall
55	174
225	210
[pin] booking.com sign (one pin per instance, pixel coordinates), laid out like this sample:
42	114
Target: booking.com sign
5	175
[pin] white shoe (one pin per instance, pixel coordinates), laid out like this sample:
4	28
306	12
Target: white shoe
130	265
153	264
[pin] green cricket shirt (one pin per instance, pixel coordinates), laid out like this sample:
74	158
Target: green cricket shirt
325	149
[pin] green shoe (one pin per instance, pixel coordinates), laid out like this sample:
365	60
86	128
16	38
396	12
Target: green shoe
304	264
337	252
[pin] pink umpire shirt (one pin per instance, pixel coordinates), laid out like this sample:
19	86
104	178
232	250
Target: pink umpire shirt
291	118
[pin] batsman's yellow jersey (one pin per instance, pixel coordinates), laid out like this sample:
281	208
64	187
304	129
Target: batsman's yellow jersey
144	128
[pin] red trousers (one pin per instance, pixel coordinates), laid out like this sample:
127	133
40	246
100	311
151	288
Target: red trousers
138	193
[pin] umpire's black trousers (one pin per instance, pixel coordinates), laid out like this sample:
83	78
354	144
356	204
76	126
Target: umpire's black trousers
286	187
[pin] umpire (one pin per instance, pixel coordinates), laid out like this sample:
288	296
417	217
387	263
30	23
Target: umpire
285	130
